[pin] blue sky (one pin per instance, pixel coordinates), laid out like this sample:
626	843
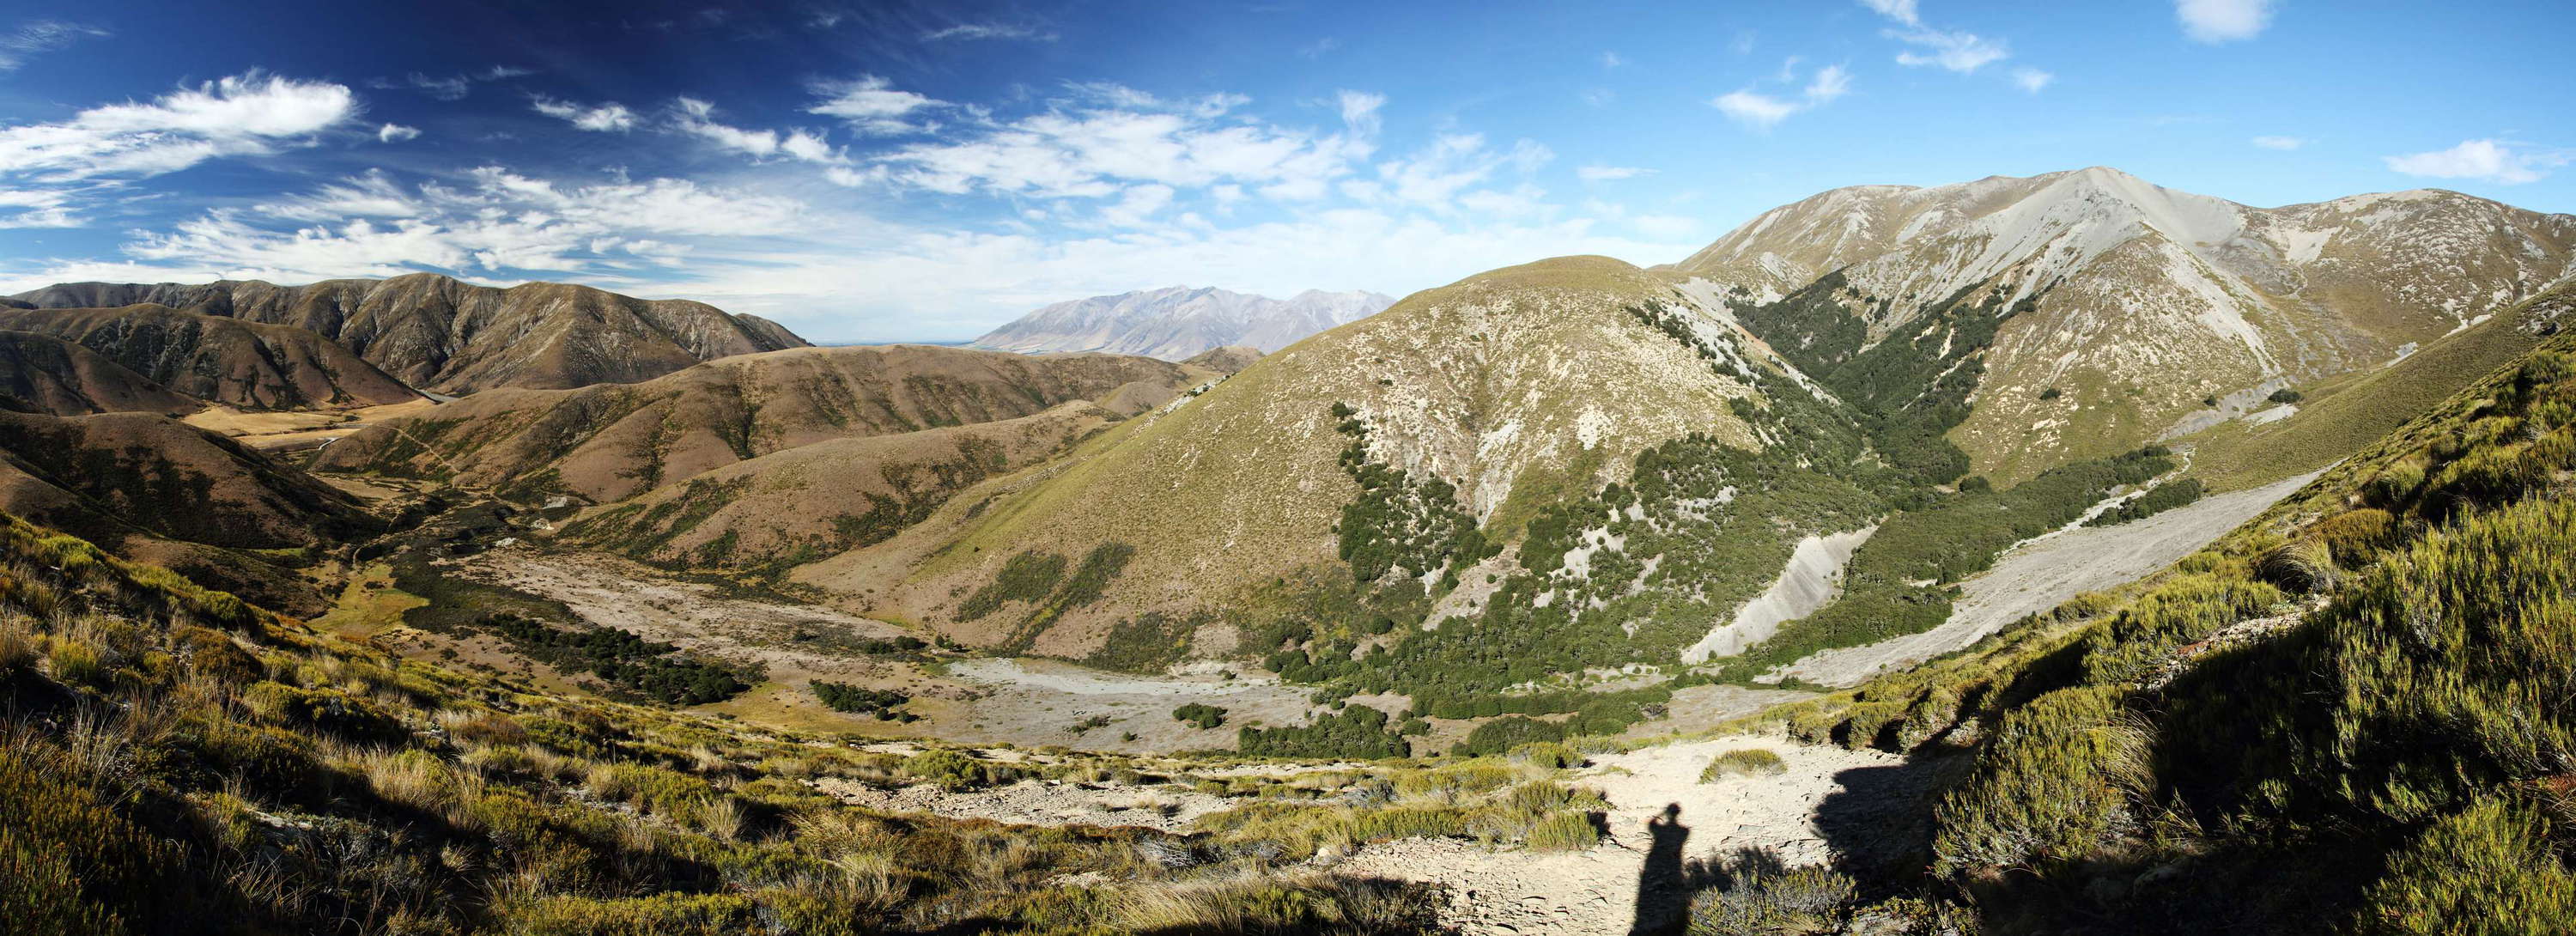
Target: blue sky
876	171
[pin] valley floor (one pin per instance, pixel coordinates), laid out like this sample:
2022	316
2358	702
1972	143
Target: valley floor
1028	702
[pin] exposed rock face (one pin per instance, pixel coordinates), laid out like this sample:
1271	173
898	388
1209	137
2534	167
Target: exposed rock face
44	374
450	337
1178	322
2135	302
613	441
240	363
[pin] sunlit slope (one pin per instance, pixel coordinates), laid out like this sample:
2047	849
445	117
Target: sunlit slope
1517	387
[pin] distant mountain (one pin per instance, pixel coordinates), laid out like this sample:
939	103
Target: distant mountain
246	364
451	337
2078	314
1178	322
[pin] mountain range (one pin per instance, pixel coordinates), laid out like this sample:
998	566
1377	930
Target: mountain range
1178	322
445	336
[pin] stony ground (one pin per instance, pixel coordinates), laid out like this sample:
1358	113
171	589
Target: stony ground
1830	805
2046	571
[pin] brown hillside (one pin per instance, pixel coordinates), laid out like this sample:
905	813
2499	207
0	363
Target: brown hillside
245	364
155	489
613	441
818	500
451	337
44	374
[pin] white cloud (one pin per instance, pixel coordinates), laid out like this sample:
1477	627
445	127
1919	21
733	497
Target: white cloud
2032	79
1360	112
39	37
2215	21
35	208
499	223
1902	11
611	117
1831	82
1612	60
872	105
1763	111
396	133
2484	160
245	115
1959	51
968	32
1606	173
1754	110
2280	142
1128	137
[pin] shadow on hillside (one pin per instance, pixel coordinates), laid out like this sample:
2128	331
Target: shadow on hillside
1878	823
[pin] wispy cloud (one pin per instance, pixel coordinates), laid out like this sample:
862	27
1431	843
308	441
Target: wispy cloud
39	37
396	133
1902	11
2032	80
1612	60
1763	111
2280	142
872	105
2489	160
1959	51
611	117
449	87
1609	173
972	32
2216	21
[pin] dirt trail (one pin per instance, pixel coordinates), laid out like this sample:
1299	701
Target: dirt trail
2046	571
1830	804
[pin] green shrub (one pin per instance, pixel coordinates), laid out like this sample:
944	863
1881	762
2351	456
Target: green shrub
2055	784
1202	715
1746	762
2487	869
1503	734
1760	898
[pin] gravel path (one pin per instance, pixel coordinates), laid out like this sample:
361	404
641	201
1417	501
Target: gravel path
1830	805
2045	572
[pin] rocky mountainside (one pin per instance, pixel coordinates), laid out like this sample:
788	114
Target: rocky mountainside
44	374
1445	424
240	363
2082	313
608	442
1178	322
451	337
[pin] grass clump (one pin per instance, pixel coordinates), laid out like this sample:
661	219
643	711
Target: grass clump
1747	762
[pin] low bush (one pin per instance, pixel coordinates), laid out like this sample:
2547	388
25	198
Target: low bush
1747	762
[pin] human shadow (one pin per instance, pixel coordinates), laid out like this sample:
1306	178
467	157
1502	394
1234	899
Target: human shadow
1663	885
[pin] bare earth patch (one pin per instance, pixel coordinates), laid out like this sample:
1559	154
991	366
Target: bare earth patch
2044	573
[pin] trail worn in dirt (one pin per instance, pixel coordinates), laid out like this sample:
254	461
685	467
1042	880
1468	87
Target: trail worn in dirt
2047	571
1831	805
